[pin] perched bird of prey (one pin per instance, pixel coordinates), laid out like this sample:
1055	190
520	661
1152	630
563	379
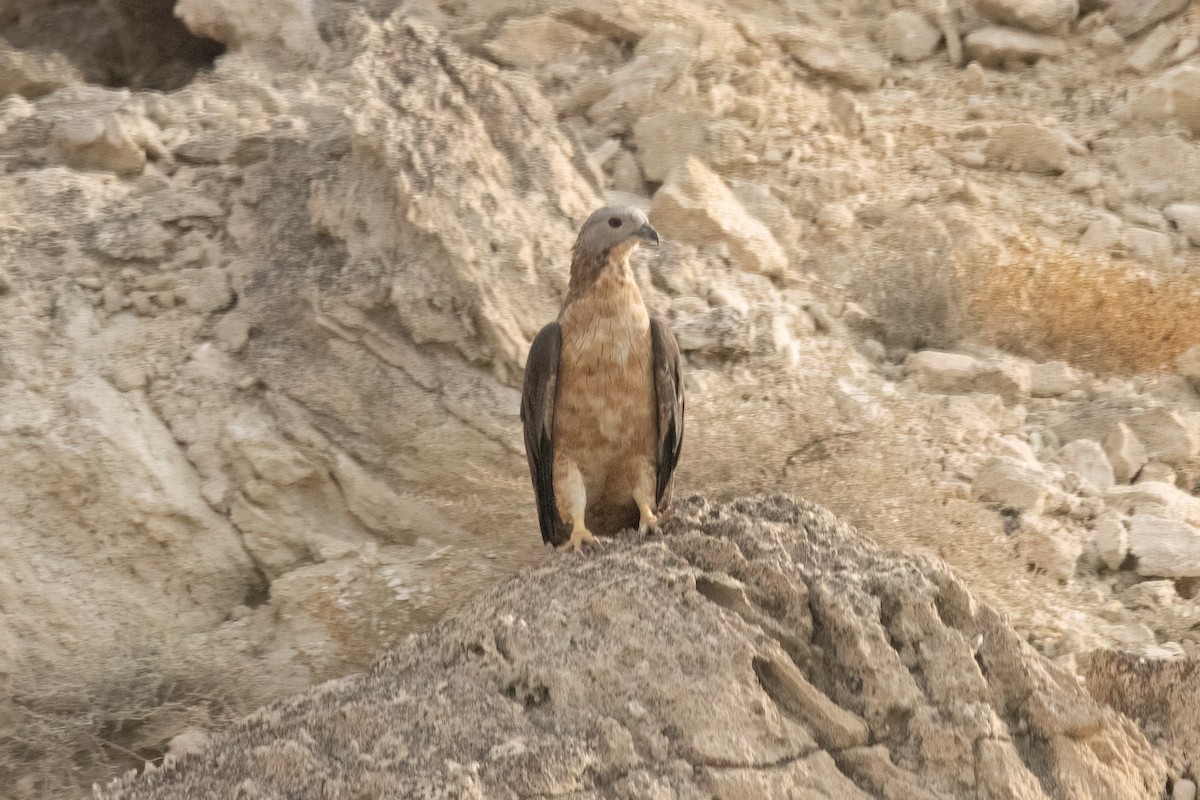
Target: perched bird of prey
603	403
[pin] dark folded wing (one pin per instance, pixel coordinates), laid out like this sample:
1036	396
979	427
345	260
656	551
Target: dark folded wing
537	415
668	387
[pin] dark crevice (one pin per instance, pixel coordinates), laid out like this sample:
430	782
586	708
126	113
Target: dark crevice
138	44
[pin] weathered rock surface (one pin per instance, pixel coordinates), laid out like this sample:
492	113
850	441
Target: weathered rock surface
760	648
1036	15
997	46
1164	693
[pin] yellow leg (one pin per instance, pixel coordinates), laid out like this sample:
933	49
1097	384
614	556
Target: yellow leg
644	497
573	495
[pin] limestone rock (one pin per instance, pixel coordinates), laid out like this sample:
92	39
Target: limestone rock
1053	379
1189	365
943	373
1155	499
1112	540
1086	458
667	137
853	67
1131	17
1050	547
1157	472
722	331
1157	169
1169	436
1023	147
1149	247
531	42
1012	484
1105	232
98	144
1164	547
1186	217
1152	50
1180	88
908	36
34	74
1125	451
283	28
996	46
1007	378
1034	15
547	690
696	206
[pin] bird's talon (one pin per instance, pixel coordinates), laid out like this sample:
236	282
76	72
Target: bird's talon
579	537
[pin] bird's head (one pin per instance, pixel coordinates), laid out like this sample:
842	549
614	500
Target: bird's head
612	232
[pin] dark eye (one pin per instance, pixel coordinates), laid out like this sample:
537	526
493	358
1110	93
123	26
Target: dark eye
614	222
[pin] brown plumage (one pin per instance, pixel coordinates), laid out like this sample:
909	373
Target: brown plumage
603	398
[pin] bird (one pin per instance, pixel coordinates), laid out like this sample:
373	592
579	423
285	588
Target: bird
602	401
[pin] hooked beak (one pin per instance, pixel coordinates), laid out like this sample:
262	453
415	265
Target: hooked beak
648	233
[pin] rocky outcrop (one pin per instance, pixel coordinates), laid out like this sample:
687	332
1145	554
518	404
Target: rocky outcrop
760	647
261	334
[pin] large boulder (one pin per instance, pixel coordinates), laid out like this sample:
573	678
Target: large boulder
761	647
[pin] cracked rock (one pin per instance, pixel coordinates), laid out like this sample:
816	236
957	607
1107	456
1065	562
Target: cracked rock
753	651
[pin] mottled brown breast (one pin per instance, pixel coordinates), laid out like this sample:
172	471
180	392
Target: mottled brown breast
605	419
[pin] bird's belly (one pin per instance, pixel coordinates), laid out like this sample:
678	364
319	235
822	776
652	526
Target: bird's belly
605	411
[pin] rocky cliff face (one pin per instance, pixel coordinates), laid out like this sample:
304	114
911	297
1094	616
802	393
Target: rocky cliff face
268	274
760	649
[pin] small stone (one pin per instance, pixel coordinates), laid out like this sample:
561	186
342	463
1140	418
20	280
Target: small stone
1112	540
1189	366
112	299
1023	147
1157	472
851	66
1152	50
1106	232
1053	379
995	46
942	373
1186	217
33	74
1084	181
848	114
531	42
1184	790
1164	547
142	303
232	331
1107	42
1012	484
908	36
102	144
1050	547
205	290
1086	458
974	79
1125	452
128	377
1169	436
627	173
1158	170
1131	17
1149	247
1004	377
720	331
1034	15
